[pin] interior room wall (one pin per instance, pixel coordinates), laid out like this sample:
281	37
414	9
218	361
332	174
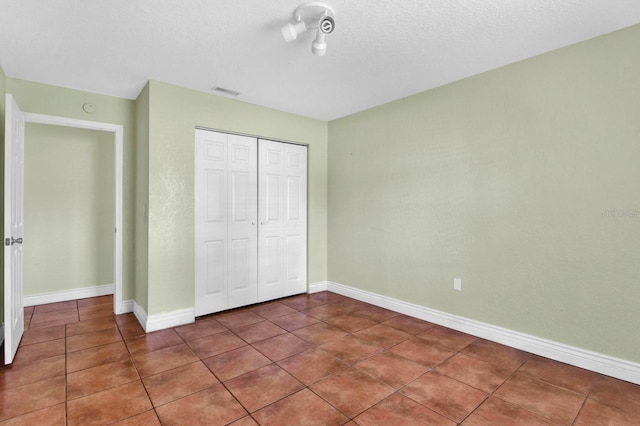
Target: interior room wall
522	181
142	199
63	102
174	113
68	208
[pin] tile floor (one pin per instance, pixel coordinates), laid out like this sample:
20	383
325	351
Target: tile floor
320	359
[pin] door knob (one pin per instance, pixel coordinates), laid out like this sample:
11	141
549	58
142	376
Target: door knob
16	241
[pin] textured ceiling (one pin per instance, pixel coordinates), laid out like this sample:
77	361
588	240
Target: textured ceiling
379	52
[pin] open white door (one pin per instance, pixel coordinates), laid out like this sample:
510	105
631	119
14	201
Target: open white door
13	227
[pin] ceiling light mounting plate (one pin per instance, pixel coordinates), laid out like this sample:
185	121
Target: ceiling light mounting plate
312	12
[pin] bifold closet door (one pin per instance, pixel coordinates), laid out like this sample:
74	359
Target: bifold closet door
282	211
225	221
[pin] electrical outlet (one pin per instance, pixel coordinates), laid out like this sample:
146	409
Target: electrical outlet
457	284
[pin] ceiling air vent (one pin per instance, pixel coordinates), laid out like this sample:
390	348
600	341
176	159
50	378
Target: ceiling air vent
225	91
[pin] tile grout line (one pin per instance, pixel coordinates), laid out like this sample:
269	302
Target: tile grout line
135	366
200	360
585	401
350	365
275	363
272	363
491	394
579	411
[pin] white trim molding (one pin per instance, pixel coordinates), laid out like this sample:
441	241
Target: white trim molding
600	363
65	295
165	320
140	314
127	306
318	287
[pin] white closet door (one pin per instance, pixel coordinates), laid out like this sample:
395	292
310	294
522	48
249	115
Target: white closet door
225	221
282	207
242	232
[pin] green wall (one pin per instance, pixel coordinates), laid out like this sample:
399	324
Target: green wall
522	181
142	199
62	102
68	208
174	113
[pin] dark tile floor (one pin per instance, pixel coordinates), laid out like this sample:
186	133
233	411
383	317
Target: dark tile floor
320	359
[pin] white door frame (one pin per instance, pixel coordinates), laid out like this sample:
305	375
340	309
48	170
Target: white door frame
117	130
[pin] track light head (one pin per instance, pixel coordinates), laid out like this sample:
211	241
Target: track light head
291	31
319	46
314	15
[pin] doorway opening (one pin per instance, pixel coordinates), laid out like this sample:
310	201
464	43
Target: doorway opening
68	213
113	216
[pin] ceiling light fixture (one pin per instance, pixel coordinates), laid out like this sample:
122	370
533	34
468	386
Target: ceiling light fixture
311	16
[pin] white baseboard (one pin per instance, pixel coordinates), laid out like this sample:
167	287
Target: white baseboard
318	287
140	314
127	306
165	320
65	295
600	363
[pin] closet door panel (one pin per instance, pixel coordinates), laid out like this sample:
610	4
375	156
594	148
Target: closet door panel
214	192
226	221
242	228
215	266
293	197
270	211
239	269
295	223
271	262
272	207
210	222
294	257
213	236
282	212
